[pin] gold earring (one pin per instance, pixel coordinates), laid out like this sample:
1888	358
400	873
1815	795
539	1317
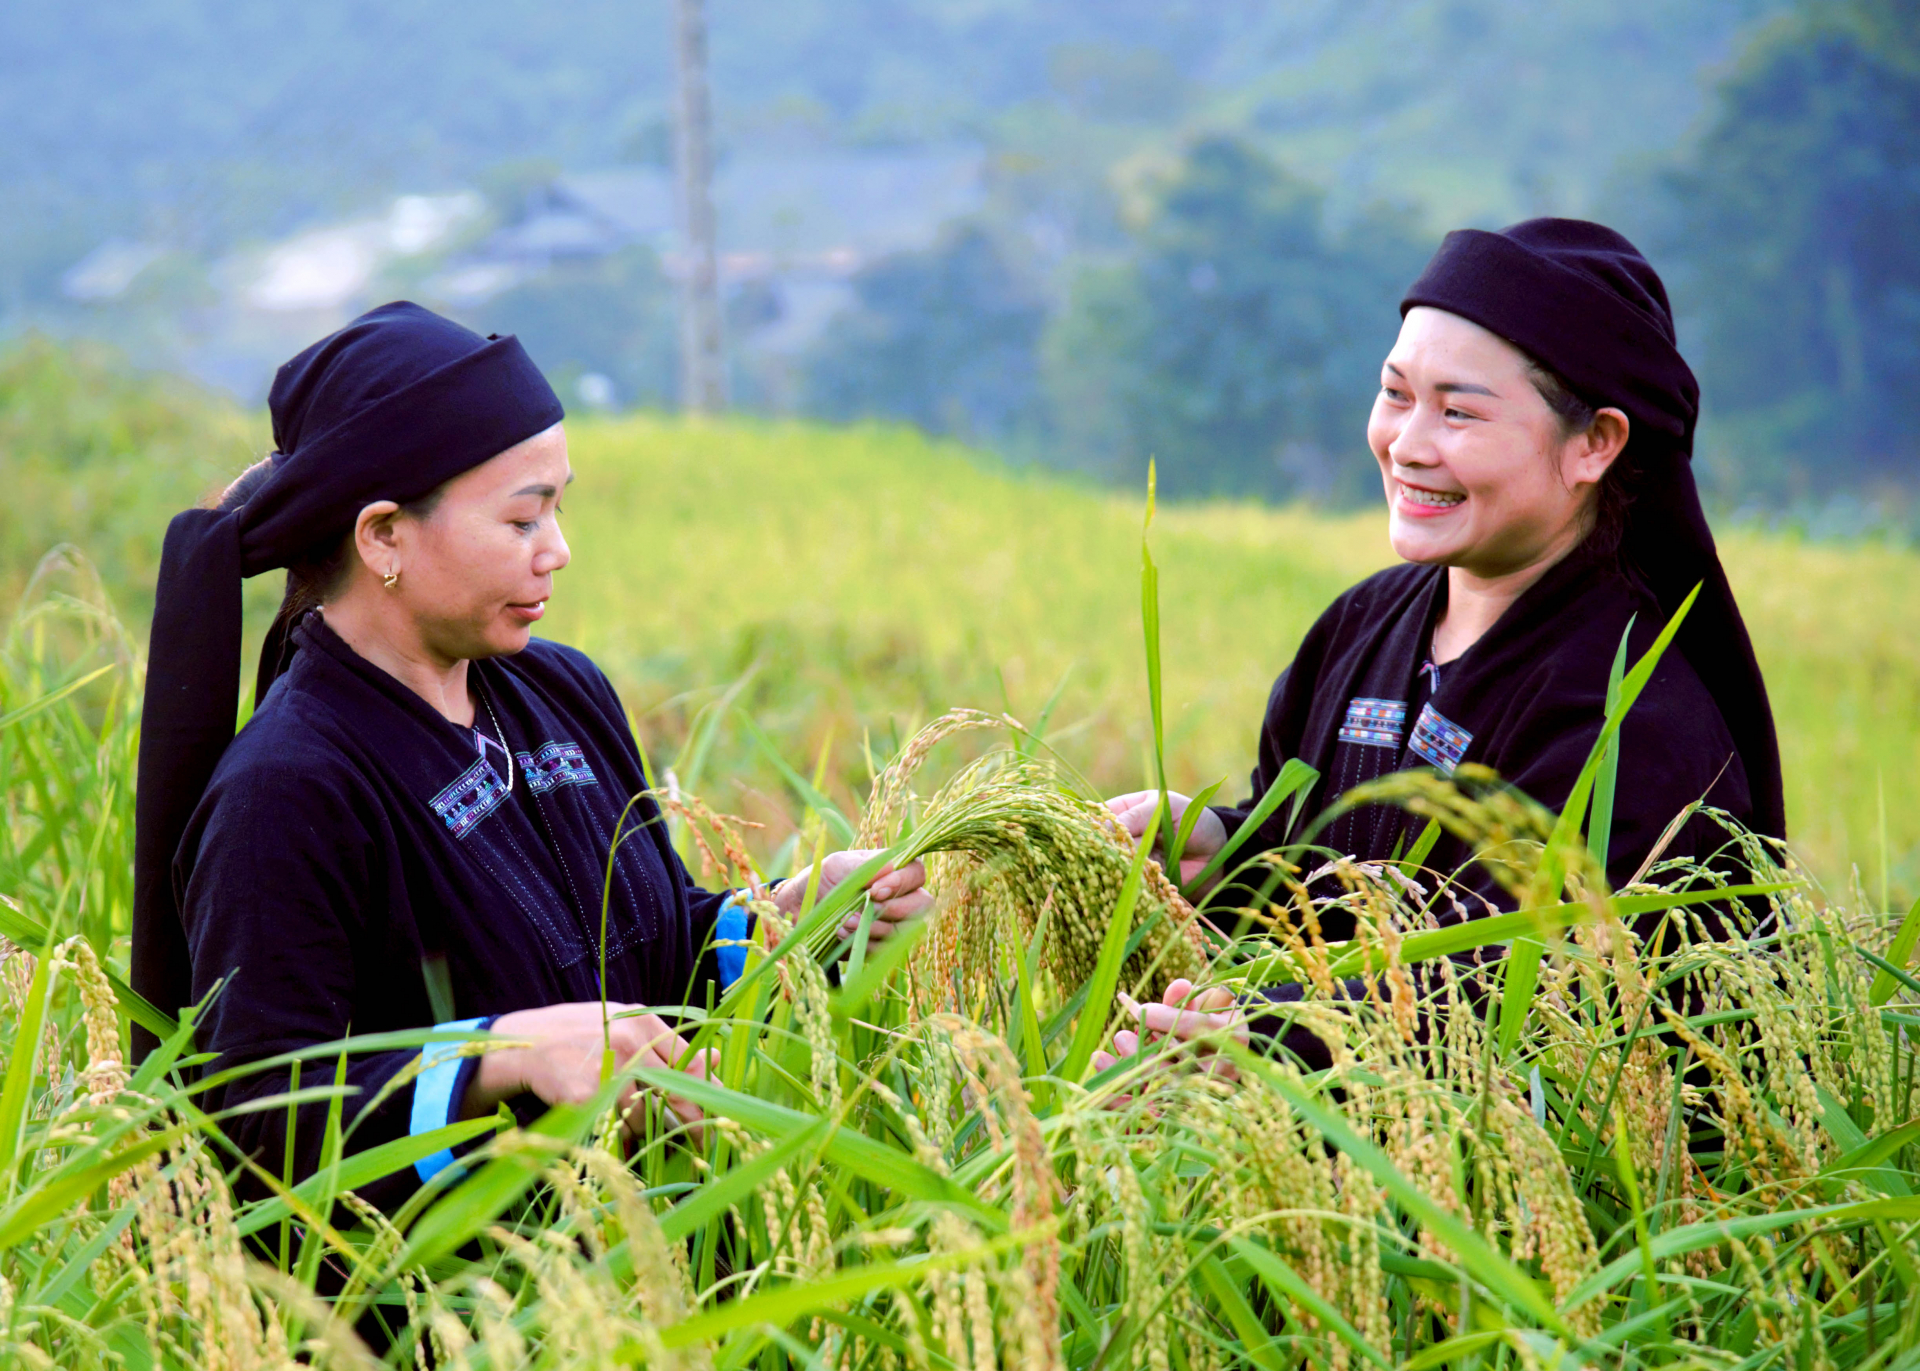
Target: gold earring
391	580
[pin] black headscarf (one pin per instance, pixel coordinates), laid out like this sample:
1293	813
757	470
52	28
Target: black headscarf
389	408
1581	300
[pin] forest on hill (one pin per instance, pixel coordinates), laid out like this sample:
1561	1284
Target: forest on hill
1182	232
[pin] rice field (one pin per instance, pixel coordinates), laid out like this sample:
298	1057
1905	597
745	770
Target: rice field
861	581
1676	1127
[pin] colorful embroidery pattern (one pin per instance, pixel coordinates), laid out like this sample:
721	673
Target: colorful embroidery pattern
1374	723
555	765
477	793
1439	740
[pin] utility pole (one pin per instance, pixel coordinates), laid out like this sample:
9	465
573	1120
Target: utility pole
703	379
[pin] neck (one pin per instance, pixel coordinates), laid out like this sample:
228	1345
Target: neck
1476	600
383	636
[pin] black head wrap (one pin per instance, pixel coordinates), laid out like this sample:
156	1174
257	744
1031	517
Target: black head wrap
1581	300
389	408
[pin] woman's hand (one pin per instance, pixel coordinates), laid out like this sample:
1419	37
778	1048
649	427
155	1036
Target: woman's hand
1135	810
898	894
1184	1016
561	1062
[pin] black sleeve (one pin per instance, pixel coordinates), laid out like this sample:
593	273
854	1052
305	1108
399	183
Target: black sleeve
273	905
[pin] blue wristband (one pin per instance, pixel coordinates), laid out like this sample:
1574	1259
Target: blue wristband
433	1092
731	927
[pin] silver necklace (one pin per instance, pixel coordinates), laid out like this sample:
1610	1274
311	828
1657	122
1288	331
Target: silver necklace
482	741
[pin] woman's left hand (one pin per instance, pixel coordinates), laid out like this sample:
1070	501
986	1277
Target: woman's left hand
898	894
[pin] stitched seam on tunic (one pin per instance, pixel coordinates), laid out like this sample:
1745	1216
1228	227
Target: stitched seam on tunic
575	945
523	895
530	905
619	937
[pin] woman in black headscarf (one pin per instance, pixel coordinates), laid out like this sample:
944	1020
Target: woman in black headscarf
1534	427
414	826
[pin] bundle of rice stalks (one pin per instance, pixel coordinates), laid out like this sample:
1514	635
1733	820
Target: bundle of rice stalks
1012	851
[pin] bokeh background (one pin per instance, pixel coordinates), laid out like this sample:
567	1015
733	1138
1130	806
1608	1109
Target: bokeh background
979	260
1073	231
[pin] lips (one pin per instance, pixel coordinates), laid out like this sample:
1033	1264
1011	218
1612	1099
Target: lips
529	612
1430	501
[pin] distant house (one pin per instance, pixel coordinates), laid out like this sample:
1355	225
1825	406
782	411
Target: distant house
795	226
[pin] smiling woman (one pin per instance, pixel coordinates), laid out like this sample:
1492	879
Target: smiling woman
414	827
1533	430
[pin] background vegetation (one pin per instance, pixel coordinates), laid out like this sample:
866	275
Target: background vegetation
1671	1128
853	583
1193	223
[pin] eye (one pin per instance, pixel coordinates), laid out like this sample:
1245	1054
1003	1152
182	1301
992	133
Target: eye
1391	393
526	525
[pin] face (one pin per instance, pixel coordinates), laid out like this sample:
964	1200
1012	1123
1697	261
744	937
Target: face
1477	472
475	573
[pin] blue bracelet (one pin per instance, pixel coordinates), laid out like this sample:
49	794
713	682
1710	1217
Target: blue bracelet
732	927
433	1092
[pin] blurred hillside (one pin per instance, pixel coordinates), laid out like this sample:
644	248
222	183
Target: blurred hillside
1075	232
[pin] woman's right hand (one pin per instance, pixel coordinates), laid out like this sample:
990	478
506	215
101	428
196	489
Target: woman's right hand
561	1060
1135	810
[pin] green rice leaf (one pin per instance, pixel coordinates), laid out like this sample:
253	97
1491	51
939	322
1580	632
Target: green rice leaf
1900	953
20	1066
1600	827
1296	779
781	1307
1092	1027
360	1169
1291	1285
53	697
863	1155
1496	1272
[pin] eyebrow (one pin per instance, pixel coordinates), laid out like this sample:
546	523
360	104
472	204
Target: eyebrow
1451	387
543	491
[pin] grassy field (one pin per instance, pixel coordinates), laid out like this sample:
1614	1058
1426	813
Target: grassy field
1644	1140
871	578
860	581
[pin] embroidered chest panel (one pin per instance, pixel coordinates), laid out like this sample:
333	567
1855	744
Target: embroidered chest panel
1438	740
1374	723
476	793
555	765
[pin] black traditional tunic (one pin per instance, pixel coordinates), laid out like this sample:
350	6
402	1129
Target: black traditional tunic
351	833
1362	699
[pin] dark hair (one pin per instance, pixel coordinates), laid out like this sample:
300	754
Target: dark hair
320	573
1577	416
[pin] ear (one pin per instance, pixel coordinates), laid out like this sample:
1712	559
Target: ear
1588	455
373	536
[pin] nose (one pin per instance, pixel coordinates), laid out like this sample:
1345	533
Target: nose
1412	444
555	554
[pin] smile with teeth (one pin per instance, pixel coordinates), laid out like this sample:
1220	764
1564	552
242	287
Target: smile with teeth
1436	499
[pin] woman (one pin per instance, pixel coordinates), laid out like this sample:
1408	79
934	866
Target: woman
414	826
1533	428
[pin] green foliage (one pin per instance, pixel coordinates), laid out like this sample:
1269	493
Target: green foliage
1240	346
1695	1150
946	339
97	456
1793	222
